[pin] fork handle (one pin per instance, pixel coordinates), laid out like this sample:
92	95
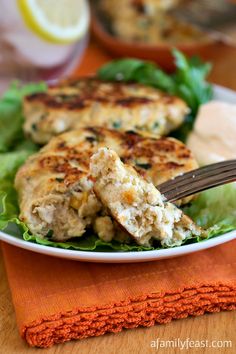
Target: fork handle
198	186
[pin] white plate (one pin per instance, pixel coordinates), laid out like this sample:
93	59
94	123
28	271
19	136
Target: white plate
121	257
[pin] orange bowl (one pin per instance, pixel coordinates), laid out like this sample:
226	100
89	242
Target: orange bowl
160	53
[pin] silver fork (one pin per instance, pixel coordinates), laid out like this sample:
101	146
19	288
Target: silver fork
199	180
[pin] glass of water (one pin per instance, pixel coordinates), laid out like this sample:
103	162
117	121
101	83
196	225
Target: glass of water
26	56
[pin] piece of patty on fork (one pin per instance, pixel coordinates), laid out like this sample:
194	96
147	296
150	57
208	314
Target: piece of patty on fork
136	204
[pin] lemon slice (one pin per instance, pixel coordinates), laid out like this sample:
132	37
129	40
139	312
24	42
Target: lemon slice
56	21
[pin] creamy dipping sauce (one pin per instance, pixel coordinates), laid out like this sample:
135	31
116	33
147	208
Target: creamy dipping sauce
213	138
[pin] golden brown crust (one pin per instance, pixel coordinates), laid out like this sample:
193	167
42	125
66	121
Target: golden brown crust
77	94
65	159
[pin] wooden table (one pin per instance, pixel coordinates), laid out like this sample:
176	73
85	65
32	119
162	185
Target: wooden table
219	326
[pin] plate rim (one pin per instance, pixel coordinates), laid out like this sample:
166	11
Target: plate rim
118	257
128	256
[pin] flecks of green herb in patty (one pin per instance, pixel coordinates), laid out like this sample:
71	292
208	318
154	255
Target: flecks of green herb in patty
145	166
34	127
155	125
58	179
49	234
116	124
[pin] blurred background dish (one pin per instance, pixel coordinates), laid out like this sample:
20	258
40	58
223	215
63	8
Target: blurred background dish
149	29
38	45
147	22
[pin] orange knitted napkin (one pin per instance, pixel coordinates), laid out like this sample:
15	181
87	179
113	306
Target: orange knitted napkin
58	300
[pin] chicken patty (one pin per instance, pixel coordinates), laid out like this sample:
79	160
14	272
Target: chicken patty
56	193
84	102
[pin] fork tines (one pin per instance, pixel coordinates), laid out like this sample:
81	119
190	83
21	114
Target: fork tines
198	180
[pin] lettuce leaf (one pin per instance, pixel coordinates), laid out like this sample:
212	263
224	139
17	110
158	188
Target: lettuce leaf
12	160
131	69
11	117
215	210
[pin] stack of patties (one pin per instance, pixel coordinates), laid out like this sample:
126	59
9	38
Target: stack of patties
56	189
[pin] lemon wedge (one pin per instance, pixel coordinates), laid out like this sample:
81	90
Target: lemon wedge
56	21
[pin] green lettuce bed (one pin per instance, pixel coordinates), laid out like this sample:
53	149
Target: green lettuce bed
214	210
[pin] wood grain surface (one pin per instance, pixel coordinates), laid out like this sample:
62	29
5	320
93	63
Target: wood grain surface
212	327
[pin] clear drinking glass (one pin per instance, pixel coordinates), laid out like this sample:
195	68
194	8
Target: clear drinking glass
27	57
